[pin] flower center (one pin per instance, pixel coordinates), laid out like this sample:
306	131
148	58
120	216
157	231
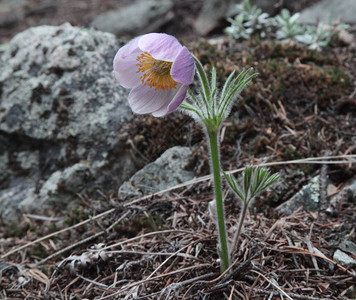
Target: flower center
155	73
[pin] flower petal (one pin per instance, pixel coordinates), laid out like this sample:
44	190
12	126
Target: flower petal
129	48
144	100
174	104
125	71
183	67
160	45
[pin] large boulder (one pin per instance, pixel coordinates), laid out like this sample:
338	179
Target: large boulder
213	15
11	12
344	10
137	18
61	112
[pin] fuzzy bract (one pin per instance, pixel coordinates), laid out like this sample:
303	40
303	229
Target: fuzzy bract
158	70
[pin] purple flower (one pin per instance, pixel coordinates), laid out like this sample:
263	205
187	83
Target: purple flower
157	69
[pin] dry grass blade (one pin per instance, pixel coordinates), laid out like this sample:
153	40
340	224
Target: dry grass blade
146	235
155	278
58	232
301	251
83	241
273	283
173	254
39	276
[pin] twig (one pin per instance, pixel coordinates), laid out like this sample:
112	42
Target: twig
93	282
310	248
186	282
295	296
223	277
43	218
232	292
155	278
171	254
323	203
273	283
301	251
174	254
58	232
69	248
82	241
290	243
146	235
243	265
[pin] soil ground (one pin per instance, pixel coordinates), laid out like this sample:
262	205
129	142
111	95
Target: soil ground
163	246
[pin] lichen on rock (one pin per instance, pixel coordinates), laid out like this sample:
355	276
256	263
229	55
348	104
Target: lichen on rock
59	106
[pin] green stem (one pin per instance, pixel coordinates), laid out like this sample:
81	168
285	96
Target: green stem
237	234
215	163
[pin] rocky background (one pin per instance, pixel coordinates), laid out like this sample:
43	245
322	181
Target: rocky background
67	135
63	118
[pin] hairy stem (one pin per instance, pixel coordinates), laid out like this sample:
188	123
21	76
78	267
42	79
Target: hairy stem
237	234
215	164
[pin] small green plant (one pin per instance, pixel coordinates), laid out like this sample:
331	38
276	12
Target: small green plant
288	26
251	21
254	181
317	37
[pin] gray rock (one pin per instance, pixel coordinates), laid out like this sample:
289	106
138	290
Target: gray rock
348	247
273	7
268	6
308	197
3	48
344	10
59	190
345	37
139	17
28	160
4	160
10	198
289	183
344	259
350	188
11	12
76	178
60	105
167	171
346	193
212	14
57	80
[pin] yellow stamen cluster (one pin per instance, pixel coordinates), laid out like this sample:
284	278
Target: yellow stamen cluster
156	73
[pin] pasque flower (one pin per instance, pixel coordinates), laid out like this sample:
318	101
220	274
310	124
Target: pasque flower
158	70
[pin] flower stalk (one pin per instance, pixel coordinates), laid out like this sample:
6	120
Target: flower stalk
211	109
223	247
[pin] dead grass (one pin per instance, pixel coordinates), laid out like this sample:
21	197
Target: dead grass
164	247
